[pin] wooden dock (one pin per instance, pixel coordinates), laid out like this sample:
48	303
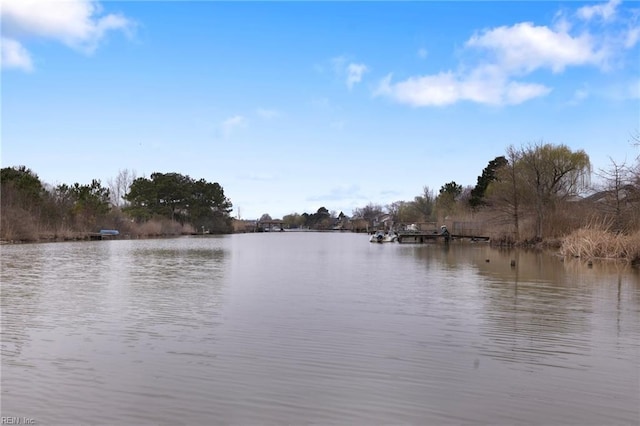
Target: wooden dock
425	237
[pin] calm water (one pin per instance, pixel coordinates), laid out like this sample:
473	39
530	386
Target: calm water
296	328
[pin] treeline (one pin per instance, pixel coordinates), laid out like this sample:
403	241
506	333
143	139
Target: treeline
538	192
164	204
534	193
322	219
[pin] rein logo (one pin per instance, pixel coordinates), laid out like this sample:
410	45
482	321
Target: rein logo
6	420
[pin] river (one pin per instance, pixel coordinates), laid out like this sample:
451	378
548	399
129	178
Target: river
306	327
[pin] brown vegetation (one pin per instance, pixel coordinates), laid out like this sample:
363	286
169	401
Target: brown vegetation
598	242
18	225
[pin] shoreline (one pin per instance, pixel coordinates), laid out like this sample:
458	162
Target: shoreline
553	246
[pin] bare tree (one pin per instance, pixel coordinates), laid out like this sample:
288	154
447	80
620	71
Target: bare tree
425	204
617	180
119	186
370	212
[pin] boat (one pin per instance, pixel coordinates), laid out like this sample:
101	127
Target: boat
382	237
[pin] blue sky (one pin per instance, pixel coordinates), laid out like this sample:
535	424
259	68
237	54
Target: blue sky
292	106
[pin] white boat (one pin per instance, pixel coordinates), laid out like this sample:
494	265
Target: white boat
382	237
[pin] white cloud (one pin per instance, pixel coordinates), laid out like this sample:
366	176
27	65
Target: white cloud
14	55
232	123
524	47
78	24
432	90
447	88
354	73
495	61
605	10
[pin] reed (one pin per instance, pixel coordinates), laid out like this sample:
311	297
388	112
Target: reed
596	240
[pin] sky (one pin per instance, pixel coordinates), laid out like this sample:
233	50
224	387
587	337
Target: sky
293	106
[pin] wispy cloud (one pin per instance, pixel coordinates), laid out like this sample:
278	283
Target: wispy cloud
512	53
14	55
422	53
79	24
632	37
352	72
229	125
605	11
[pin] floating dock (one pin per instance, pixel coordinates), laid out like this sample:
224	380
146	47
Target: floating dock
425	237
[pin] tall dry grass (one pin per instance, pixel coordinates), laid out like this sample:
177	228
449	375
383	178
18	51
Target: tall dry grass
596	240
19	225
157	228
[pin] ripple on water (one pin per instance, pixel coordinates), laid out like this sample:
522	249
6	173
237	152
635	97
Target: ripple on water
312	327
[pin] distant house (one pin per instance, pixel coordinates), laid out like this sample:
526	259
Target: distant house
626	194
383	221
341	223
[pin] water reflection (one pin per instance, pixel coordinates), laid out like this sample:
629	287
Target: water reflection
294	328
84	314
175	287
535	309
20	294
540	313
